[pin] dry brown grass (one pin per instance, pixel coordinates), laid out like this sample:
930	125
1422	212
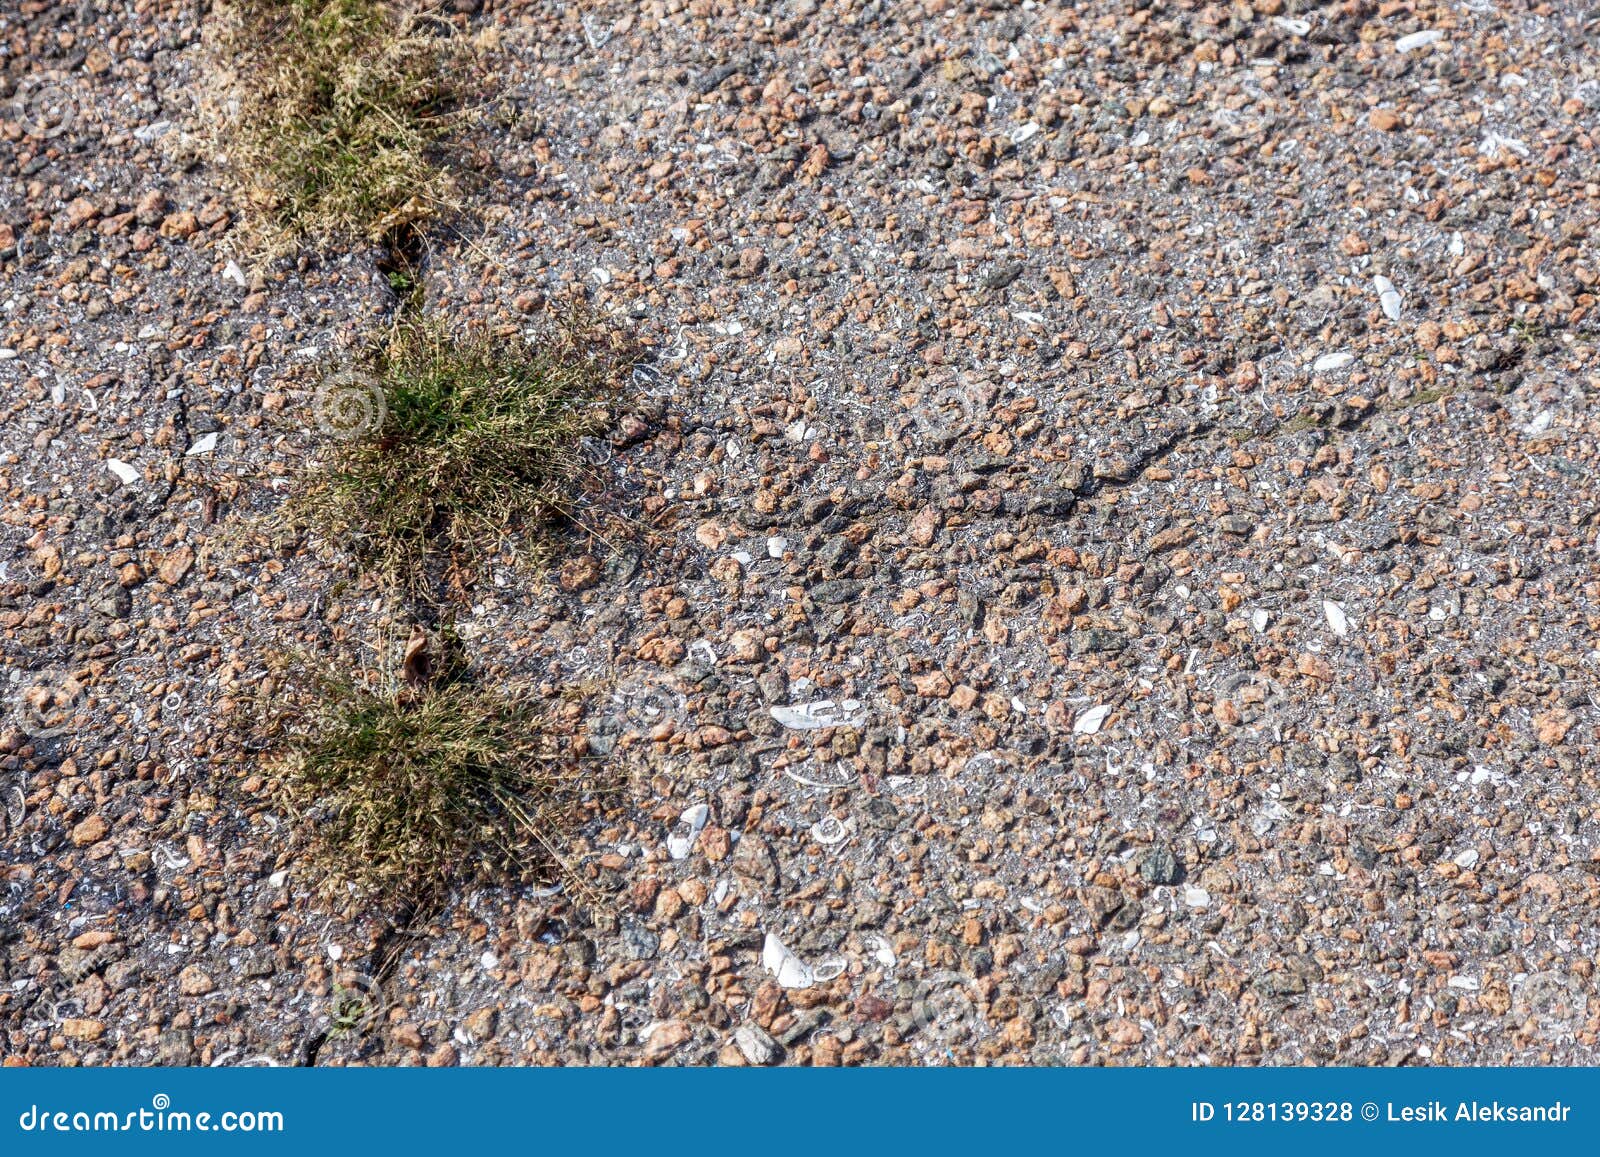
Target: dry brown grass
397	785
333	111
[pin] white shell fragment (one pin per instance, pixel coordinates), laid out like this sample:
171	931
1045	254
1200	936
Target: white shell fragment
791	971
824	775
1259	620
1196	897
1388	297
202	445
128	474
678	847
825	970
1336	618
1091	720
1329	362
1493	144
236	275
829	830
1292	26
822	713
1415	40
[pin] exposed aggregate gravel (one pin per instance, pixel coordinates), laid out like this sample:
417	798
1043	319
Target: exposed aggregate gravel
1210	633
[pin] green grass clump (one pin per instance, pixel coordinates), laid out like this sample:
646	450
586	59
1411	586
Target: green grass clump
336	107
455	446
396	791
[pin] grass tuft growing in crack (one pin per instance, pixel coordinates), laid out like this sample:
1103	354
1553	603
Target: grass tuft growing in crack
399	788
333	110
461	445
